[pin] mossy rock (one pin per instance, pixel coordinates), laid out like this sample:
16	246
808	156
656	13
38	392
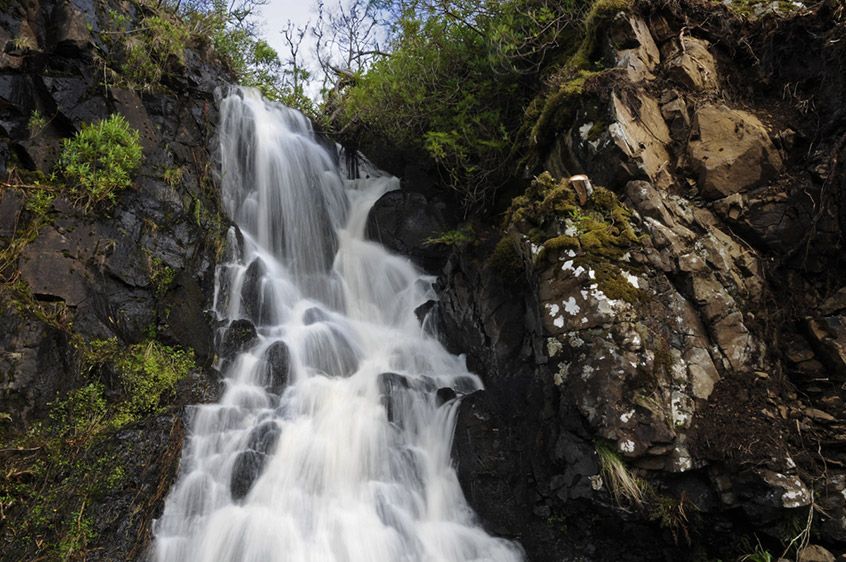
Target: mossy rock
598	232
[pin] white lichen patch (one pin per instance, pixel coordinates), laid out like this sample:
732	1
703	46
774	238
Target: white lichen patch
626	416
595	482
681	408
570	229
559	377
552	309
632	279
553	347
558	322
627	446
584	130
576	341
570	307
587	372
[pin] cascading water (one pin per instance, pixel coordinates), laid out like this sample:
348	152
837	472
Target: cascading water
332	439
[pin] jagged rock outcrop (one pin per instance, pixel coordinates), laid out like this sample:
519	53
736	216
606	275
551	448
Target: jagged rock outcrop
83	289
664	356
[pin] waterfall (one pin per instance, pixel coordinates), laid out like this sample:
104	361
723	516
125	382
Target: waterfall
331	441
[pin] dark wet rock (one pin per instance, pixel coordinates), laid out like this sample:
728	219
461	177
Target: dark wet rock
277	366
422	311
391	387
35	363
405	222
444	395
71	22
328	350
187	321
139	268
11	204
77	98
264	437
314	315
253	293
246	470
51	273
240	335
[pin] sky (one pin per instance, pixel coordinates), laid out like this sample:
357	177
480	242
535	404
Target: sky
275	16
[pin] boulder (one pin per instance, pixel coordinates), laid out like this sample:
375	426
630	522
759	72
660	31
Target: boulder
263	438
246	470
328	350
693	65
814	553
277	359
405	221
730	151
256	299
240	335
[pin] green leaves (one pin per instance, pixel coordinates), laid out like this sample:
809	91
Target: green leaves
456	83
100	160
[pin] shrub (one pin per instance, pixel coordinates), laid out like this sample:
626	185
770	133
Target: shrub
456	84
148	372
99	161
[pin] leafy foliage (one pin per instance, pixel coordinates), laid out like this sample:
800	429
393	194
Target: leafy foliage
456	82
99	160
47	483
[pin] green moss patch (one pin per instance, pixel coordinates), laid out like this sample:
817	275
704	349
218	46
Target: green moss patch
596	226
58	470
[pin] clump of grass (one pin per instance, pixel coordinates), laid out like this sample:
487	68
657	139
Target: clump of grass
458	237
36	123
671	514
100	160
625	487
173	176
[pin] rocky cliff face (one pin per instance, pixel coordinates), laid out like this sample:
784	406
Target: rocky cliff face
98	304
662	337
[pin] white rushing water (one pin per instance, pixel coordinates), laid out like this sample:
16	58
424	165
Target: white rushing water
331	442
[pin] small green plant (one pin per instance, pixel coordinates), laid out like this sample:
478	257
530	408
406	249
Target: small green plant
760	554
458	237
75	541
161	276
100	160
39	202
148	373
625	487
672	514
173	176
36	123
22	43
